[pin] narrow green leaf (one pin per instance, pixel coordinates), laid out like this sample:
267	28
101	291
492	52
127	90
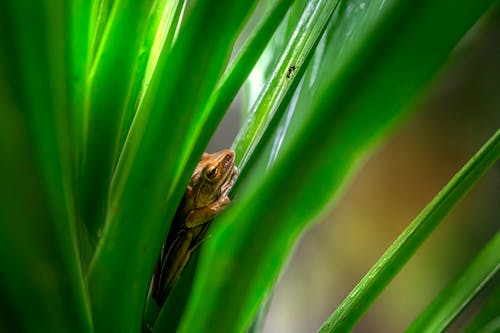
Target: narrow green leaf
268	111
98	21
82	19
266	65
455	297
163	26
109	85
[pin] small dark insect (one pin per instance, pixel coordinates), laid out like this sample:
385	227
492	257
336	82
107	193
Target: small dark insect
291	69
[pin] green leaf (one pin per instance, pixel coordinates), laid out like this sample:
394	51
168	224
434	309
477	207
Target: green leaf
269	118
304	38
42	281
97	19
371	73
108	89
265	67
162	29
82	28
455	297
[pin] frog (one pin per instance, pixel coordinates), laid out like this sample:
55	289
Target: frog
205	197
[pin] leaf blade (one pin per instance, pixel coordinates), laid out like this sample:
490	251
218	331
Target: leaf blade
41	276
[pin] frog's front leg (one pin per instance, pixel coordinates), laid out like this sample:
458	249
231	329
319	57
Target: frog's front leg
229	185
204	214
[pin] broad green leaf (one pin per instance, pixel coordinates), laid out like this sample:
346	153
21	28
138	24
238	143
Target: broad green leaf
109	83
162	29
42	281
369	77
455	297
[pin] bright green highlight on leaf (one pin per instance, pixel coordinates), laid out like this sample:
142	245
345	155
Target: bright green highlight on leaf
305	36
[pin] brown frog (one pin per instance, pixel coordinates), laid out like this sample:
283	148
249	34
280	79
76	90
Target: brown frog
205	197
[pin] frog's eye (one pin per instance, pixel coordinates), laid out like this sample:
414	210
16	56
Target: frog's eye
210	172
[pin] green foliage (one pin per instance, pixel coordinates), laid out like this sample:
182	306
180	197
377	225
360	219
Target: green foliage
107	105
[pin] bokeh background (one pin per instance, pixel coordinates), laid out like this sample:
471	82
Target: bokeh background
458	113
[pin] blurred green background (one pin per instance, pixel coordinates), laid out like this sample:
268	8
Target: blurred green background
459	112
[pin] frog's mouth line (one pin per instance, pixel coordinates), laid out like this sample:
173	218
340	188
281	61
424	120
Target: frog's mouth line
227	165
231	173
228	162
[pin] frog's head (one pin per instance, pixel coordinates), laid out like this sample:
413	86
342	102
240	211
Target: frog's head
212	176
